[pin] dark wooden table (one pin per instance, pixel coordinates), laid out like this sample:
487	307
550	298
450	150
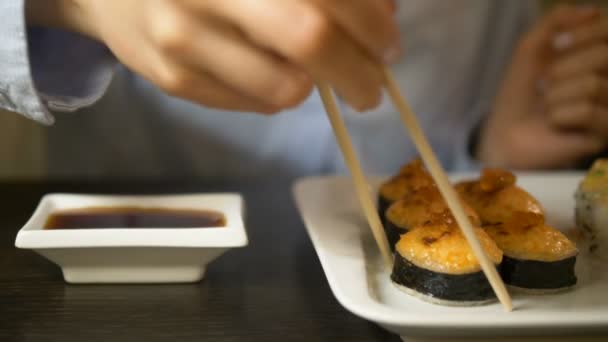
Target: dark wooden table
272	290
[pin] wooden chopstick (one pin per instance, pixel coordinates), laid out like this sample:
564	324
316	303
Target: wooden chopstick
449	194
352	162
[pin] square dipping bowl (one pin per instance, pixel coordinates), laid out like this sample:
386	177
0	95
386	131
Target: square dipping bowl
134	255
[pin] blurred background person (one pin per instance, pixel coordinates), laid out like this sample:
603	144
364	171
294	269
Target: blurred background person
517	84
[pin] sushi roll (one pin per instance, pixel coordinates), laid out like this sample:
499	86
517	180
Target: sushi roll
411	177
495	197
592	205
436	264
537	257
424	207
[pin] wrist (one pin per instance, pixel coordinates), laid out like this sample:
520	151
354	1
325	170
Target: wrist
61	14
488	149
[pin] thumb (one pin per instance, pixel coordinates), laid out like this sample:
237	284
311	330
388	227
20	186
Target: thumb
392	4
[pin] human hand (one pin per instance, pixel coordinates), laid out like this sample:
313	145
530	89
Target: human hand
245	55
565	120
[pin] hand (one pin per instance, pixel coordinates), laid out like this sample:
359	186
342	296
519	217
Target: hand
576	94
564	120
246	55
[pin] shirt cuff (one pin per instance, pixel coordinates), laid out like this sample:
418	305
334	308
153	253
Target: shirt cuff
69	71
45	69
17	92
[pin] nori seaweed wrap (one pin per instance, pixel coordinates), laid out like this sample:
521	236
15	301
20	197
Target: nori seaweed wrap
436	264
537	257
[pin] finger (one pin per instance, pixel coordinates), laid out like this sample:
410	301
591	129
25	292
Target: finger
204	89
581	62
580	15
370	23
573	147
544	146
541	36
590	88
581	116
306	36
223	52
596	31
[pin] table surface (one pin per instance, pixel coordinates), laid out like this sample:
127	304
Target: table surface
273	289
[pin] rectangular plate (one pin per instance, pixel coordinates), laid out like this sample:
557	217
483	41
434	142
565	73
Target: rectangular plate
359	281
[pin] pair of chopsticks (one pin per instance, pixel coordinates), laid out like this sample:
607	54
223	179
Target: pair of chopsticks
432	163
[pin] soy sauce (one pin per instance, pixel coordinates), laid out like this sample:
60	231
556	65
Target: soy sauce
134	217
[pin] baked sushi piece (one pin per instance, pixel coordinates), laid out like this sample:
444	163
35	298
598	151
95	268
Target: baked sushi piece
537	257
592	204
411	177
495	197
423	207
436	264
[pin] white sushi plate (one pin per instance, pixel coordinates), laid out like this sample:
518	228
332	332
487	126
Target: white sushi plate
359	281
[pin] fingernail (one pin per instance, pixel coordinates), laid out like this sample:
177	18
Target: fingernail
393	54
563	41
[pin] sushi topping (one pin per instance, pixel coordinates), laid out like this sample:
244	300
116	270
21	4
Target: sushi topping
521	222
442	248
495	179
425	207
526	237
411	177
430	240
413	169
500	204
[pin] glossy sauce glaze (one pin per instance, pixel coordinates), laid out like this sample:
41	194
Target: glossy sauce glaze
442	248
526	237
411	177
496	197
425	207
134	217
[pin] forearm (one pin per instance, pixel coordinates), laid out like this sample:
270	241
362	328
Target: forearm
61	14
